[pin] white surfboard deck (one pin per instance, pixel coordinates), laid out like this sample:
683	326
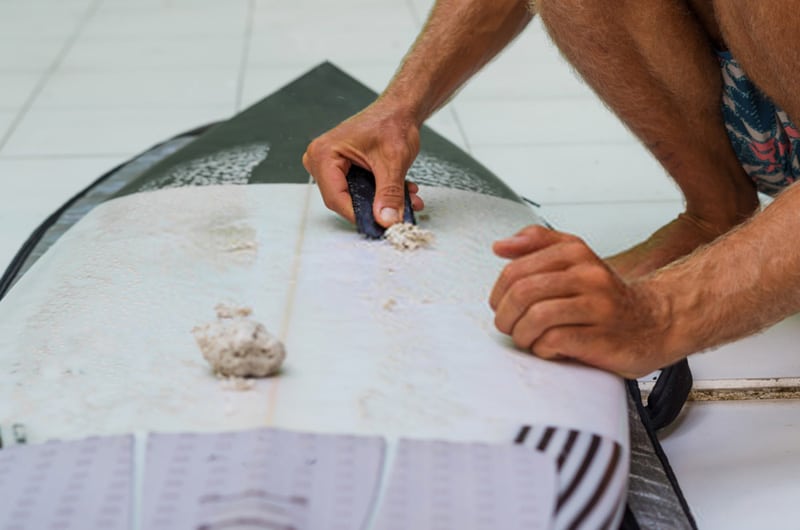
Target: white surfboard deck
96	338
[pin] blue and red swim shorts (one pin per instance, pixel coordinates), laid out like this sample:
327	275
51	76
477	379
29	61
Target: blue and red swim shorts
765	140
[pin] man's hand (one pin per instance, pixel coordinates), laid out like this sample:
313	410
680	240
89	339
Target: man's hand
558	299
376	139
458	38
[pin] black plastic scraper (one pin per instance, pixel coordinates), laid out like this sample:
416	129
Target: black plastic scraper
361	184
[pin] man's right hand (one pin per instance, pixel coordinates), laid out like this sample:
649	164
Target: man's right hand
379	139
459	37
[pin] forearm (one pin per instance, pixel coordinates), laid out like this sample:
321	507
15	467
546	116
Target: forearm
459	37
737	286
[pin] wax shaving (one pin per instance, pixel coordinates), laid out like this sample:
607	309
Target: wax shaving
406	236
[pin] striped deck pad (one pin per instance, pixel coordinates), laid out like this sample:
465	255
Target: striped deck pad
592	471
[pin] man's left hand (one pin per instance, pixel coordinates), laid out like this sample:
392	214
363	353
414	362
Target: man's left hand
557	298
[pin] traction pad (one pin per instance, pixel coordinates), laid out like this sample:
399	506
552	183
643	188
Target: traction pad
295	115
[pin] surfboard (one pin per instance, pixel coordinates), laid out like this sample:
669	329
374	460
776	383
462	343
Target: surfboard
95	337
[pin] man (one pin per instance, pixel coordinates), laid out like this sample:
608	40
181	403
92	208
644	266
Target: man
667	68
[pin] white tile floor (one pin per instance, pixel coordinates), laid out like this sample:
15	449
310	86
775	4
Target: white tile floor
84	84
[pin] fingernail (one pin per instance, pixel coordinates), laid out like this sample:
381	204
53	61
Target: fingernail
388	215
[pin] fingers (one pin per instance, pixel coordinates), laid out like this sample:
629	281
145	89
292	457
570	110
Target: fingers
558	299
330	170
542	318
559	256
563	342
529	297
417	203
548	289
529	240
330	176
381	139
378	139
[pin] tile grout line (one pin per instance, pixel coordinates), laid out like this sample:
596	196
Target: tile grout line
248	37
48	73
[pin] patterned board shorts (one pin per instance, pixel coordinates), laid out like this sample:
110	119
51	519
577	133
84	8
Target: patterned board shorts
765	140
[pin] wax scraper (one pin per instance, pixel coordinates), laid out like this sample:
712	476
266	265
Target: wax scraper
361	184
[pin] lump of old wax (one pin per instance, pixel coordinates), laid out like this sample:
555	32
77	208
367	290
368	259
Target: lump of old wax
406	236
238	346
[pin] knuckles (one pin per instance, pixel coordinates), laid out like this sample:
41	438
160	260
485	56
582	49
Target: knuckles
509	274
538	315
521	341
551	344
500	324
593	275
314	150
576	250
523	293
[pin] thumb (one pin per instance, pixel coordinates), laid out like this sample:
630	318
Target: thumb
389	197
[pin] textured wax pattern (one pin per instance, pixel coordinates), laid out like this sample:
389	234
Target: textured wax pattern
430	168
227	166
361	184
85	485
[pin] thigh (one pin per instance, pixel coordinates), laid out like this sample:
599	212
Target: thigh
762	35
704	11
